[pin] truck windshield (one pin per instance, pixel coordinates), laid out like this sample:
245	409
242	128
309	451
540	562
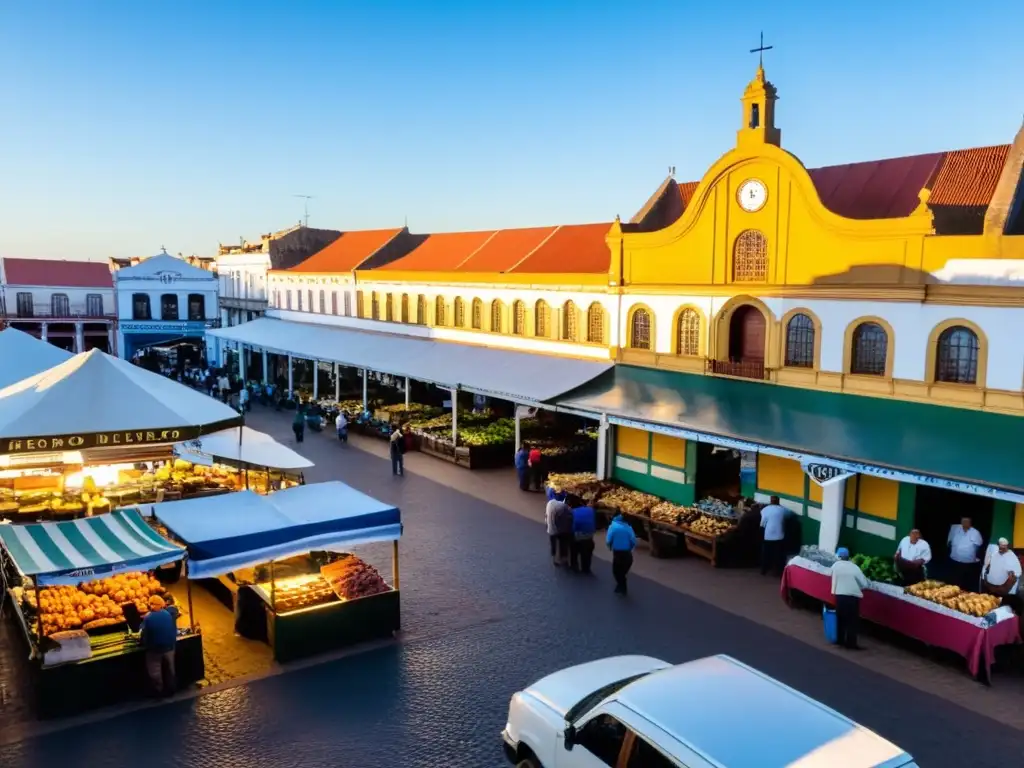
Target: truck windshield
591	700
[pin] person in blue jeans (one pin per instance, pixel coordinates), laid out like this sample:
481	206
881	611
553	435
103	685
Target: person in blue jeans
523	467
584	525
621	540
398	451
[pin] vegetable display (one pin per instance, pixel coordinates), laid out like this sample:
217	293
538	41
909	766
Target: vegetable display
356	579
876	568
95	604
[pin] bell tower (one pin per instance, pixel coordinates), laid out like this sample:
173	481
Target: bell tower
759	108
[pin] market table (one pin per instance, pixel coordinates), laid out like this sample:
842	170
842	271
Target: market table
967	636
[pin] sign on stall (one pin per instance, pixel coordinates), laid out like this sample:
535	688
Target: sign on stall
50	443
825	474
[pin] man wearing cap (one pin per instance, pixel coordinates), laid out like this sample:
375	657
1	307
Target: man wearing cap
848	583
912	555
1002	572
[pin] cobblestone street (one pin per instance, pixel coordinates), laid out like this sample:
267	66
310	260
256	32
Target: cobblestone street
484	613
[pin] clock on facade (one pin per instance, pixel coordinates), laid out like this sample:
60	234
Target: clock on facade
752	195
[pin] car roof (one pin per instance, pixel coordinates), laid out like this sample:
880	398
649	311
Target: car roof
705	704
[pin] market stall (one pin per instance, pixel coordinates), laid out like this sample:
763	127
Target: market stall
283	562
87	435
78	590
938	615
253	459
24	355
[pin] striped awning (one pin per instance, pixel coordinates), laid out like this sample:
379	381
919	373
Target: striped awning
90	548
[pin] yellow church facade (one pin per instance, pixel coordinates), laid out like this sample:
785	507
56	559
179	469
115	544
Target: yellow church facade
796	316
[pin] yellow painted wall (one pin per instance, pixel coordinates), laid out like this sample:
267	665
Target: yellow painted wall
632	442
1018	527
878	496
667	450
850	502
780	475
813	492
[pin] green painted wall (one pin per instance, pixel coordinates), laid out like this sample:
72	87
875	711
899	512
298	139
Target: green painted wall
906	502
675	492
1002	520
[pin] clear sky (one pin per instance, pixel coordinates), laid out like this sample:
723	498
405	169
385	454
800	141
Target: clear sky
128	125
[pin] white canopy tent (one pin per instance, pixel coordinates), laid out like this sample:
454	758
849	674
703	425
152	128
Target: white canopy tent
94	399
242	445
23	355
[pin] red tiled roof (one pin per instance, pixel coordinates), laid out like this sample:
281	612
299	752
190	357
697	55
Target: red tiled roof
878	189
507	248
58	274
348	251
969	176
441	253
572	249
686	191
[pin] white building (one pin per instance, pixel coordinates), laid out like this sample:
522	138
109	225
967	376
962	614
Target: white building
68	303
164	299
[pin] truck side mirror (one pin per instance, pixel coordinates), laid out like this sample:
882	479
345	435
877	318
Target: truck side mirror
569	737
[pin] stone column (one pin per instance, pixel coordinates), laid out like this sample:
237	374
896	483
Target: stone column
518	442
266	375
406	391
455	416
833	495
111	344
79	337
602	447
316	380
241	363
337	384
364	389
290	372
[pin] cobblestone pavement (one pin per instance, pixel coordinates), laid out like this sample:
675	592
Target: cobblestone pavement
484	613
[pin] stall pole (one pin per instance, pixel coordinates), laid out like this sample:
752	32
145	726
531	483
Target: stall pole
406	391
241	364
290	387
39	614
273	589
455	416
364	390
602	447
266	376
337	384
515	447
394	563
247	479
188	591
316	380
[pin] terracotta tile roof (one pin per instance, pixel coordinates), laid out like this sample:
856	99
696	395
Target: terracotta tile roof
348	251
878	189
507	248
572	249
969	176
686	191
442	252
58	274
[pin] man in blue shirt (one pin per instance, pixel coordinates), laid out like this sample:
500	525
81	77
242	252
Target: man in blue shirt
621	540
523	467
773	548
159	638
584	524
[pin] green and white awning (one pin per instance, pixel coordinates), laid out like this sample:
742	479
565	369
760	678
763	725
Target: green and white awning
90	548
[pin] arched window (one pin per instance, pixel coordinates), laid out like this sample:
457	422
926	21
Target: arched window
374	306
460	312
496	312
323	302
421	309
389	307
569	321
440	308
595	323
687	333
800	342
169	306
405	308
870	349
541	315
359	304
957	361
640	330
196	306
750	257
518	318
141	311
477	318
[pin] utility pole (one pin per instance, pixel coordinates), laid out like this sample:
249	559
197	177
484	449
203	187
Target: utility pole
305	208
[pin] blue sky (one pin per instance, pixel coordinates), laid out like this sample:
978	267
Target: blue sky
125	126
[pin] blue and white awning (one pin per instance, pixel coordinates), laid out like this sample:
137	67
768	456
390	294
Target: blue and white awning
93	547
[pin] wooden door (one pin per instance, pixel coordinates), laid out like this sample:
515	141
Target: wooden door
747	335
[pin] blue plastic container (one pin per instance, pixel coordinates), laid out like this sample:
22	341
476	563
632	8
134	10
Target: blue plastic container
828	616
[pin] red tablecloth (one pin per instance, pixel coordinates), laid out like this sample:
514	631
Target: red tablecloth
976	644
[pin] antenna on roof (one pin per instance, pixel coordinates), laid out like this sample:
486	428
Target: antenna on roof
305	208
406	221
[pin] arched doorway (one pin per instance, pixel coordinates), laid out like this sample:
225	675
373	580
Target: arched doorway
747	335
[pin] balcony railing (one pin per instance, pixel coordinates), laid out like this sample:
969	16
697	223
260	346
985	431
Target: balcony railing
744	369
71	312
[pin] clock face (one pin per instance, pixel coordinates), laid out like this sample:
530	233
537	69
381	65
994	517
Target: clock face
752	195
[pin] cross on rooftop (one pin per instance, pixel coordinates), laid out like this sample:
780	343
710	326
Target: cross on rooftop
760	51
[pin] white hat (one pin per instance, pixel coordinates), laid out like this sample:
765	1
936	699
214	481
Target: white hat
1004	543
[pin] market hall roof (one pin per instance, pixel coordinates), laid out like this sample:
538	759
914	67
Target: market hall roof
53	273
961	184
24	355
349	251
914	438
95	394
507	374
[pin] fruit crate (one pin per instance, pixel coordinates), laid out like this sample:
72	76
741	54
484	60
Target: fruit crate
702	546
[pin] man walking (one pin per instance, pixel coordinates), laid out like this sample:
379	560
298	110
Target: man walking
584	525
848	583
773	548
564	531
621	540
341	425
397	447
551	513
159	638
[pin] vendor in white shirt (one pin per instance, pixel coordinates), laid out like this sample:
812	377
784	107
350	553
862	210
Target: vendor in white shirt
1002	571
964	542
912	555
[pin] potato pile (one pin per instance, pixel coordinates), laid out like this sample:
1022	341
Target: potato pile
94	604
709	525
674	514
951	596
629	501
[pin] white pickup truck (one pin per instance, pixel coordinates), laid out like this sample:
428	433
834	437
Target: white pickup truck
639	712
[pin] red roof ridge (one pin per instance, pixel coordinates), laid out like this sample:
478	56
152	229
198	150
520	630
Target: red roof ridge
652	200
548	236
907	157
479	248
